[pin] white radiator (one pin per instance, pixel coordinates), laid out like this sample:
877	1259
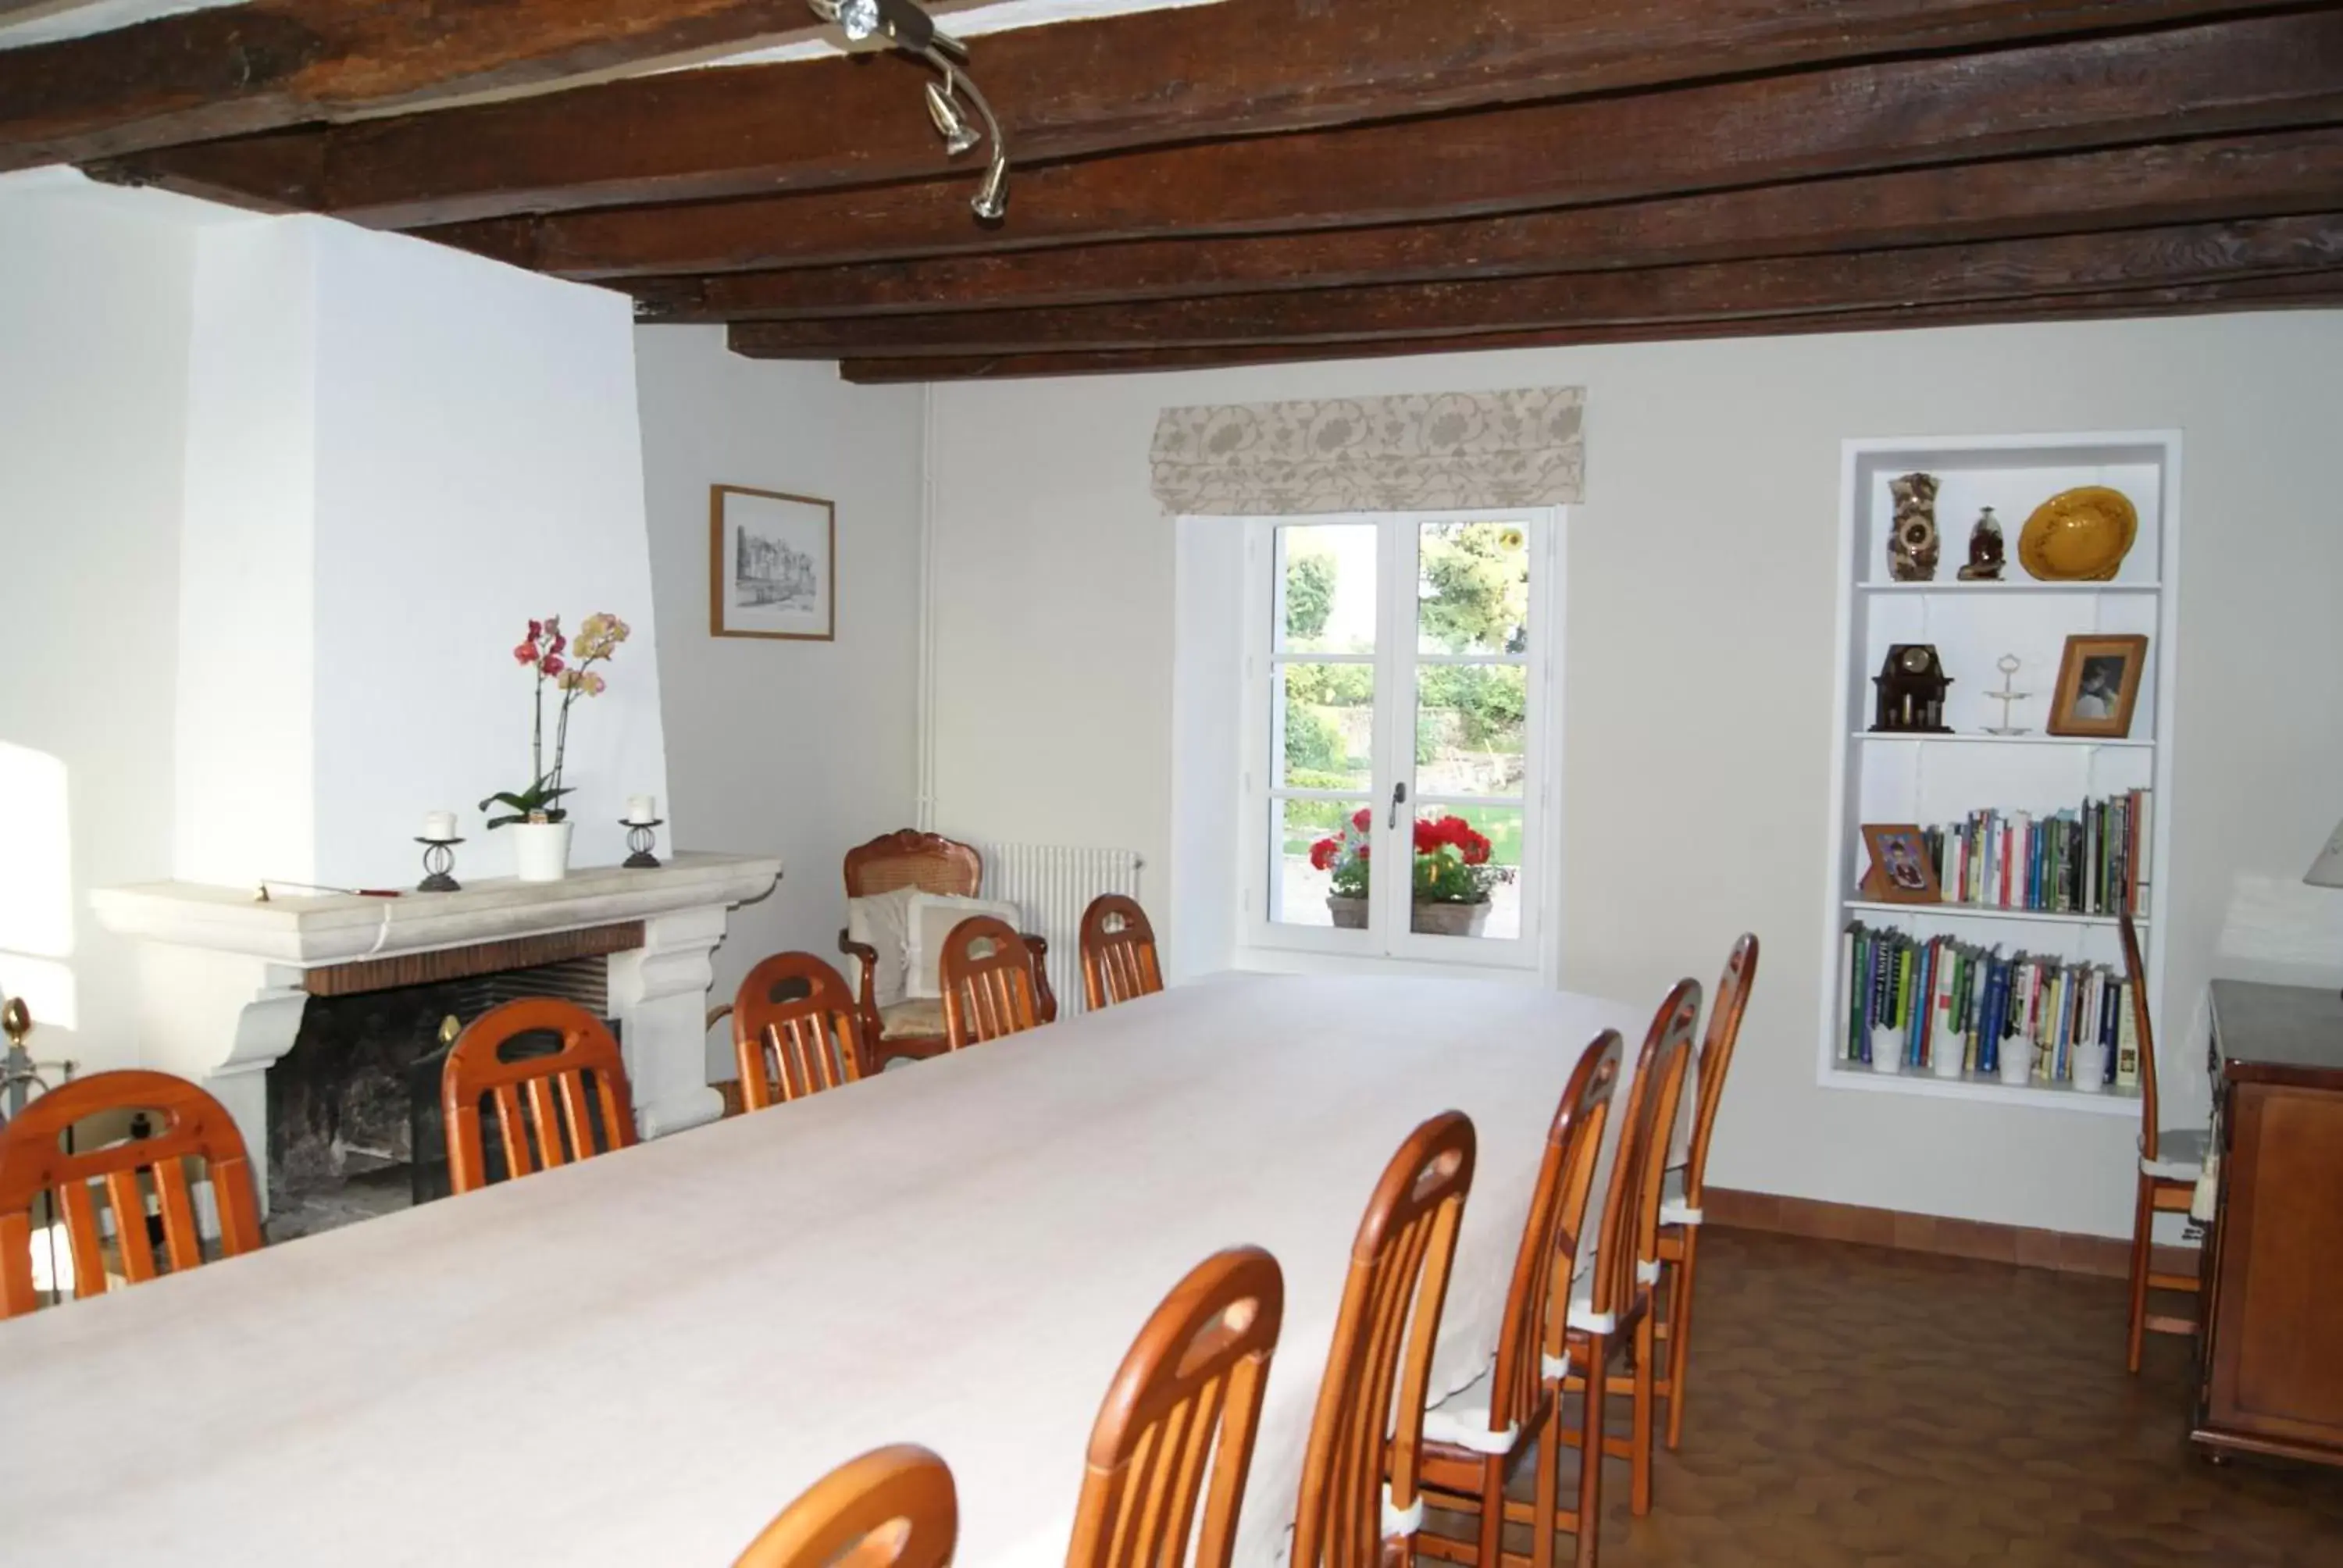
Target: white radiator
1052	885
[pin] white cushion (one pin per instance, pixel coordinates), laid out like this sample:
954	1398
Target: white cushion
1676	1211
1582	1315
2180	1155
881	922
1396	1523
1462	1420
932	919
1555	1367
1647	1272
912	1018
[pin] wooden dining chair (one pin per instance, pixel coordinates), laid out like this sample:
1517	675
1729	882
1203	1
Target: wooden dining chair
894	1507
913	1028
987	975
795	1030
1612	1303
36	1174
1473	1442
1359	1504
2171	1163
1680	1204
1119	959
552	1106
1178	1421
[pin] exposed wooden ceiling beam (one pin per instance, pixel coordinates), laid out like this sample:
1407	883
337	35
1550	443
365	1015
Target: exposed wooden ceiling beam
2310	290
2127	188
1997	269
1244	67
2224	77
238	69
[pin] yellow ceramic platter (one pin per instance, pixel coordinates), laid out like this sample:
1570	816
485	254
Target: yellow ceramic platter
2078	535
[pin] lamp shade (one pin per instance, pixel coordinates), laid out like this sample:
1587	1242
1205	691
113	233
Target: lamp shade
2327	871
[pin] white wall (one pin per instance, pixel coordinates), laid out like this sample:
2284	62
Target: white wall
1698	686
93	317
797	748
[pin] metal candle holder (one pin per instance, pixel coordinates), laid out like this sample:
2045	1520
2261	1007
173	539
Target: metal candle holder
639	838
438	859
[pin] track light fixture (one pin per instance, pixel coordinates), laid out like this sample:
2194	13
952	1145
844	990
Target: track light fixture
906	26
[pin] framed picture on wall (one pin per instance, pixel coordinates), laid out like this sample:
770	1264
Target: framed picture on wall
2098	683
772	565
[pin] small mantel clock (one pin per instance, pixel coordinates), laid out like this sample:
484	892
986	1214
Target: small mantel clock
1910	691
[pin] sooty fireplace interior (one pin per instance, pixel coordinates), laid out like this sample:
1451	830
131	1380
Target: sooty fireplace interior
354	1119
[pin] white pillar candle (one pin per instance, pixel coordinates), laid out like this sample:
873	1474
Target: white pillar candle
440	825
642	807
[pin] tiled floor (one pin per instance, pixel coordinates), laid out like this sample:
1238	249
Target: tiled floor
1852	1405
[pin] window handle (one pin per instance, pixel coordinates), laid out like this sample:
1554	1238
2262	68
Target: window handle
1398	799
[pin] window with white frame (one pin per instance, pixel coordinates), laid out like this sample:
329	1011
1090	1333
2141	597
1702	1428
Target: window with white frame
1398	674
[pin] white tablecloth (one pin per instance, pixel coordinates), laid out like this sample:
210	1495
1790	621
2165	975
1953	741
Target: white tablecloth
638	1360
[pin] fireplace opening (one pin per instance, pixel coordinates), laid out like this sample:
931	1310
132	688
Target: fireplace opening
354	1121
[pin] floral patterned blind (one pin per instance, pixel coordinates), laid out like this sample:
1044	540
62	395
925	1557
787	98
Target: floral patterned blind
1424	452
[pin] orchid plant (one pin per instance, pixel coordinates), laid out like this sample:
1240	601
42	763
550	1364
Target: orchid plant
568	663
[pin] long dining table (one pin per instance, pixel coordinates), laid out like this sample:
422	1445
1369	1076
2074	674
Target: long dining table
637	1360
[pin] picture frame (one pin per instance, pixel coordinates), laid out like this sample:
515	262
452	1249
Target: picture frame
772	565
1901	870
2098	684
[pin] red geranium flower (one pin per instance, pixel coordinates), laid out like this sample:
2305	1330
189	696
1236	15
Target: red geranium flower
1322	853
1364	817
1475	849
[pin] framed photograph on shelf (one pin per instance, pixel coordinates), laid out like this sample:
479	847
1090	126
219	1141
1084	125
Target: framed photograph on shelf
1901	872
772	565
2098	682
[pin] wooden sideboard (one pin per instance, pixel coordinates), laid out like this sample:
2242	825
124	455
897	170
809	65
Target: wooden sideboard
2270	1376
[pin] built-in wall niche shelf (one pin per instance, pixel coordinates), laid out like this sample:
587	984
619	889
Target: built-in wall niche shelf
1938	780
1888	914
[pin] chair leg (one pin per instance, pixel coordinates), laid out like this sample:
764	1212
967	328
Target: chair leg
1590	1452
1549	1484
1639	1481
1493	1512
2143	1233
1680	1333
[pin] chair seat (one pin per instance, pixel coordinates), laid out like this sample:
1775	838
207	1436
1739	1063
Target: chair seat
1462	1420
2180	1155
911	1017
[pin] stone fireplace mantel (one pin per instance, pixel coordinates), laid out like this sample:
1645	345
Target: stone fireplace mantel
222	973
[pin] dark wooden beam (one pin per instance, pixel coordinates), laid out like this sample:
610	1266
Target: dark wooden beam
1995	269
2306	291
2222	78
238	69
2127	188
1243	67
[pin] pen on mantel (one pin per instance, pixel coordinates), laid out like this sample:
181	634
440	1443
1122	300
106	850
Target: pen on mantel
262	896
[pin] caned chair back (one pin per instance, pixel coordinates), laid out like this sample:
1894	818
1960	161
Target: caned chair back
1119	959
1404	1247
1725	1013
1540	1288
2136	974
548	1108
892	1508
986	974
35	1168
795	1030
1630	1204
1177	1422
908	859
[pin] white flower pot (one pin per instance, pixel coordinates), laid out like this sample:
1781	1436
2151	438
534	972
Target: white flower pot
1886	1049
541	851
1946	1056
2091	1068
2016	1061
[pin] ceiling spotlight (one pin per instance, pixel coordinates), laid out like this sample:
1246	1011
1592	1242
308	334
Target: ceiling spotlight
857	19
992	198
952	122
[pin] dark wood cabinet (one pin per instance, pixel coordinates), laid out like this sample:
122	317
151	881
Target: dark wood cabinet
2271	1377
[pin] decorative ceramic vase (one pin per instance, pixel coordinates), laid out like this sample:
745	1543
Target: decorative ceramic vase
541	851
1448	920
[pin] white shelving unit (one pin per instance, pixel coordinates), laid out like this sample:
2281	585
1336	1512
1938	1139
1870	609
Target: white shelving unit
1935	778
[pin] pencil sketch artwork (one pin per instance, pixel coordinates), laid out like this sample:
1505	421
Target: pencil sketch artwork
774	564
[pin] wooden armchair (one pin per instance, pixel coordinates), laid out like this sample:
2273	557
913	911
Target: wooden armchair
914	1026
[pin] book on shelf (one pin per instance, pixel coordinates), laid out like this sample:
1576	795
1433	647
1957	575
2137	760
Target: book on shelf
1952	1007
2090	859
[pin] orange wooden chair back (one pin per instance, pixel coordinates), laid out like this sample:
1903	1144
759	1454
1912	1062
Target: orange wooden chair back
1716	1058
796	1030
1177	1422
1630	1204
2136	972
892	1508
909	859
546	1107
1119	959
986	974
34	1166
1404	1247
1543	1266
